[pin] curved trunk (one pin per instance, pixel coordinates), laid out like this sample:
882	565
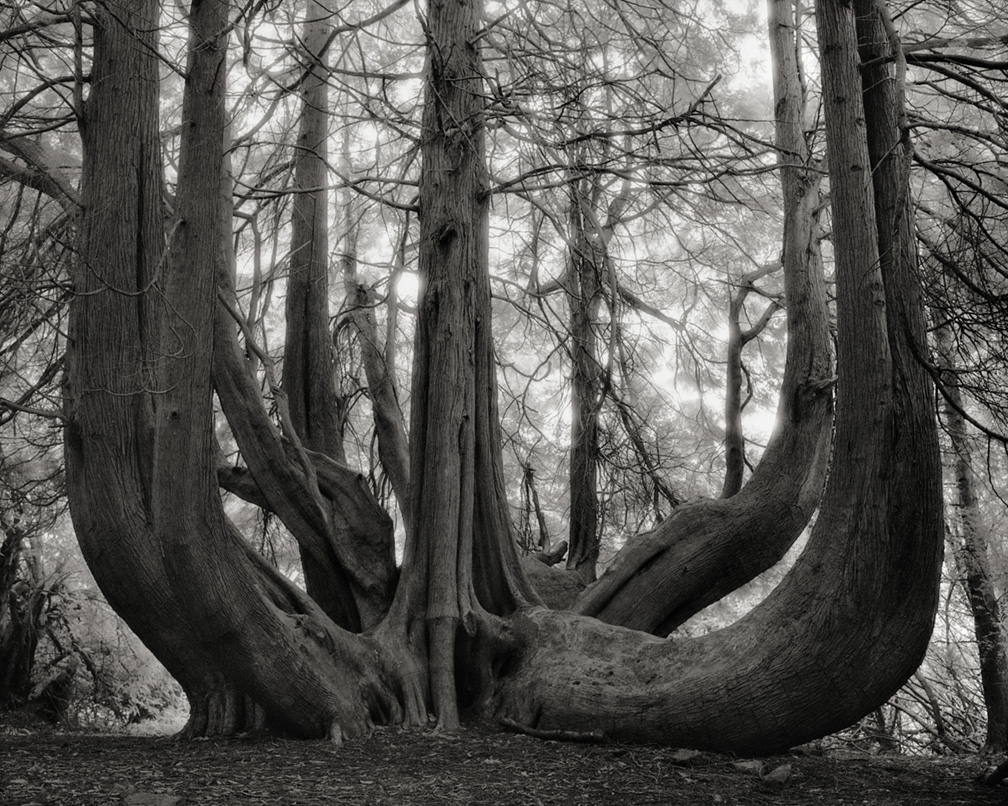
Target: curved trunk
707	549
836	638
328	508
110	386
140	474
851	621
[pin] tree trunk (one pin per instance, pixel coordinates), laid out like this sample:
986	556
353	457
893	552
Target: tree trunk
22	602
109	381
460	566
738	338
584	297
838	636
238	636
390	427
851	621
974	565
308	362
704	550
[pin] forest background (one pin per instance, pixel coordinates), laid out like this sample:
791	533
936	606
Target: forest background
636	231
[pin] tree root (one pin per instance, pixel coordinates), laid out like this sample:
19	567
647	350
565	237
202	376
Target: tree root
589	737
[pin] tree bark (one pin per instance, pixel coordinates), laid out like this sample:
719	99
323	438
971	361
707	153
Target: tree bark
460	567
851	621
22	602
706	549
846	627
328	508
242	641
112	353
583	289
973	563
390	427
308	371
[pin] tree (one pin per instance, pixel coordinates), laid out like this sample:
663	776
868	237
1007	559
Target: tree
846	627
726	543
974	565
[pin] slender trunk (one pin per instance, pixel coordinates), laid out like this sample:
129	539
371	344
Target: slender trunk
738	338
734	439
21	604
390	427
584	297
974	564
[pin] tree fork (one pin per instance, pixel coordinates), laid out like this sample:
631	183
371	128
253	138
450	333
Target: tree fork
109	384
310	677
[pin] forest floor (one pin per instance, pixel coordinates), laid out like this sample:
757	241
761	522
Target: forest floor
475	766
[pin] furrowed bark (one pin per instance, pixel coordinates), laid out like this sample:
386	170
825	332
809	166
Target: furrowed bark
110	386
308	675
333	515
583	289
460	565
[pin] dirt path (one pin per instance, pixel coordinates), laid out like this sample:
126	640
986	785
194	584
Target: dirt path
402	768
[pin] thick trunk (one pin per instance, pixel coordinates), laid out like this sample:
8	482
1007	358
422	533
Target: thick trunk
307	674
851	621
705	550
838	636
460	564
138	442
109	384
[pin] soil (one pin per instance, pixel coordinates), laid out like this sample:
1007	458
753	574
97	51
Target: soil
478	765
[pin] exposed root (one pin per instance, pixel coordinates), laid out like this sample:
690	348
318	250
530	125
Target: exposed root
589	737
998	774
